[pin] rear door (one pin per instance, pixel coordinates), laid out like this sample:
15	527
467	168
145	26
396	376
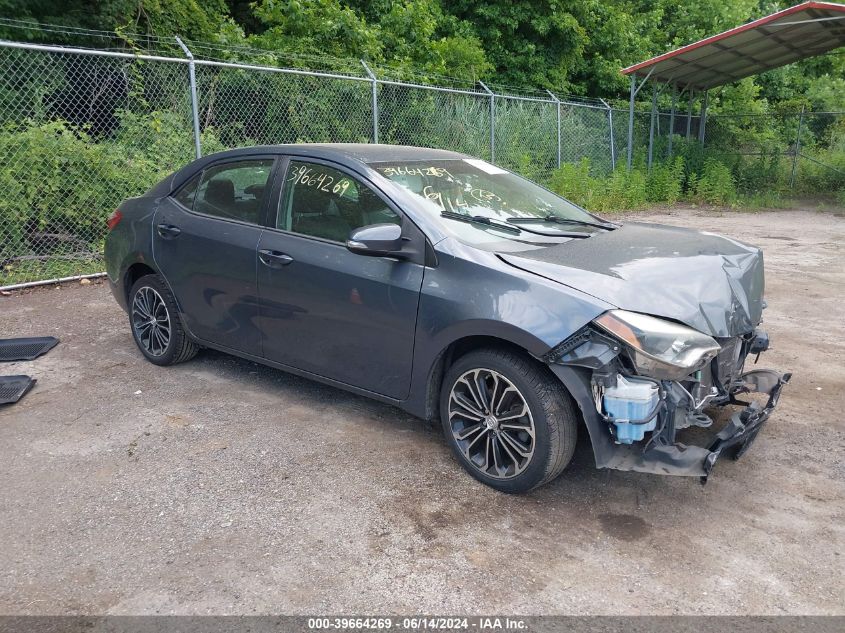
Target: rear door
205	241
324	309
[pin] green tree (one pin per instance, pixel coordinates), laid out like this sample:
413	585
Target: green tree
533	44
195	19
314	27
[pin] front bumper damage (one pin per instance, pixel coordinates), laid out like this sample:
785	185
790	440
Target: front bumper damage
738	435
662	453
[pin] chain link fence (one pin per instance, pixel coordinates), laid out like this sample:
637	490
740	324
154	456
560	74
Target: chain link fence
804	151
83	129
79	133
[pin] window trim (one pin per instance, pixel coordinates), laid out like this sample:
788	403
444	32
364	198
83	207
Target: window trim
262	213
172	195
281	189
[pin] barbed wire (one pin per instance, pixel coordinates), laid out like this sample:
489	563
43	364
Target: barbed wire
227	52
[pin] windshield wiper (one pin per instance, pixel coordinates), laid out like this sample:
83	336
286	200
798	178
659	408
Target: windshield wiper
479	219
559	220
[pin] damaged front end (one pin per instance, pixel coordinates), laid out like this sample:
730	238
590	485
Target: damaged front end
639	380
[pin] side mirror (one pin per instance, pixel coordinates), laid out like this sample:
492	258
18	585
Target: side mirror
376	240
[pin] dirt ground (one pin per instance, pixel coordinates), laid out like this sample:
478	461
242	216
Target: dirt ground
220	486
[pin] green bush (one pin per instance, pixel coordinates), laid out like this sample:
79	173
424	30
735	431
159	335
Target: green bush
665	181
60	184
757	174
715	184
573	182
619	190
53	181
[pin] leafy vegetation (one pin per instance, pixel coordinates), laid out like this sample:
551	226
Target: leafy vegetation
708	176
79	134
570	47
55	182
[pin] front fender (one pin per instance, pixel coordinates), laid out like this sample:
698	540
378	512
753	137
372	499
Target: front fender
474	293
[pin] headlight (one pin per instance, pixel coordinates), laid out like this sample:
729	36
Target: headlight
660	349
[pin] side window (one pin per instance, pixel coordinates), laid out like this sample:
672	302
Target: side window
188	192
323	202
234	191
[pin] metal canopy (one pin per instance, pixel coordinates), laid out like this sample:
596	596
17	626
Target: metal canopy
805	30
802	31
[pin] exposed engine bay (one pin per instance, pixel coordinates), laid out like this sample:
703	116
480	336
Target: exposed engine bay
646	379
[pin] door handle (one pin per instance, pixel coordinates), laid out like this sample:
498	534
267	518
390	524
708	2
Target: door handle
274	259
168	231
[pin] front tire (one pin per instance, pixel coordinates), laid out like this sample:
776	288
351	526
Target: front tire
156	325
511	424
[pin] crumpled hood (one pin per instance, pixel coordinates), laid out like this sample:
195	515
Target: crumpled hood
712	283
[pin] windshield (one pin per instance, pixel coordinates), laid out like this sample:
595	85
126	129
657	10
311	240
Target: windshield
477	189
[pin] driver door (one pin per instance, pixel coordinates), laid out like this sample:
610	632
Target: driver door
325	310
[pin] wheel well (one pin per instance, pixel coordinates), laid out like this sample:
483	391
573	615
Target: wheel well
450	355
133	274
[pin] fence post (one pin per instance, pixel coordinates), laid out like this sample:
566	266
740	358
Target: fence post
797	148
612	142
374	81
557	102
194	104
702	120
492	120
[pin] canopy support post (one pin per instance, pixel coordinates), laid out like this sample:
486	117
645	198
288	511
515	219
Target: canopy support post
702	121
651	126
797	152
634	90
690	103
631	120
672	119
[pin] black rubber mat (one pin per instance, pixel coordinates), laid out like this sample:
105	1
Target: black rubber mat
25	348
12	388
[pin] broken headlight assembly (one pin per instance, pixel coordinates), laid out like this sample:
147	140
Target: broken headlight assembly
658	348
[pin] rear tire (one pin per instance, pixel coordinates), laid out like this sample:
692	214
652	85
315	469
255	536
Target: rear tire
511	424
156	325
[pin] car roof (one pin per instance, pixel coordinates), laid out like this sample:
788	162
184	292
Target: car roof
344	153
364	152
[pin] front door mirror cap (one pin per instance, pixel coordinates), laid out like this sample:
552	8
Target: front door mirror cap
377	240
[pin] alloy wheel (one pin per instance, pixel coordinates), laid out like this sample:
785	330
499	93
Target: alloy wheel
151	321
491	423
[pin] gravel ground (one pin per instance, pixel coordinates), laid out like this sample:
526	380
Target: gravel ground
220	486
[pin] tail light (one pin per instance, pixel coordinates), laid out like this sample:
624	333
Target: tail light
114	219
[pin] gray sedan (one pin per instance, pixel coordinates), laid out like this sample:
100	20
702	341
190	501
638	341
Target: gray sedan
458	291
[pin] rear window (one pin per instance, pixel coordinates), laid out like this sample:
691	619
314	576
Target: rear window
232	191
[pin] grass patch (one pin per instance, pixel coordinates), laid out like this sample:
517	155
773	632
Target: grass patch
765	200
53	268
